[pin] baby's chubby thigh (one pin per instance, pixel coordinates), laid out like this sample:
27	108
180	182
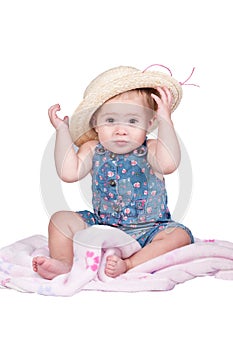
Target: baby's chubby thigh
175	236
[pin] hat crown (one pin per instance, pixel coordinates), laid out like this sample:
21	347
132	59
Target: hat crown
108	76
111	83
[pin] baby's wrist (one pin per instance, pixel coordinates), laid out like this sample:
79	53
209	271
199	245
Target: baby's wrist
167	120
62	127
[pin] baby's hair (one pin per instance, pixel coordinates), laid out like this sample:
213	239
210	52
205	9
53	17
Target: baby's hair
143	91
147	92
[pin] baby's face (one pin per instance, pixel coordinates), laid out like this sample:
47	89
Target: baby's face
122	122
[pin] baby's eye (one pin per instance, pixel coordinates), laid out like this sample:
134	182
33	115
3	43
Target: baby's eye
110	120
133	121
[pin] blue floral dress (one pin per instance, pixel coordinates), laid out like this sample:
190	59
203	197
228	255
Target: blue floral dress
128	195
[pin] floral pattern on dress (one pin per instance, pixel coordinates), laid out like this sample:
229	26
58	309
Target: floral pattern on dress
127	194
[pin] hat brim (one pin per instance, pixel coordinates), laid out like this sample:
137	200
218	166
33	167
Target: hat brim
80	121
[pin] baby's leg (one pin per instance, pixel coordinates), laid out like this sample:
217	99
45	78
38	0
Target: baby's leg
62	227
163	242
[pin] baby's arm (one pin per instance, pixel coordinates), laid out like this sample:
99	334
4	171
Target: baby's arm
71	166
164	153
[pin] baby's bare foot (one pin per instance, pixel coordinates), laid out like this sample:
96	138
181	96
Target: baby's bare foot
115	266
49	268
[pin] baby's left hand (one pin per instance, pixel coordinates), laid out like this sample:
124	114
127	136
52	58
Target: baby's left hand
164	103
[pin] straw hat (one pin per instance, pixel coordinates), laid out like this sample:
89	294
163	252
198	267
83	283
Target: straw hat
109	84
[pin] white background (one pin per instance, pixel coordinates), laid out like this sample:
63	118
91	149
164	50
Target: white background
49	53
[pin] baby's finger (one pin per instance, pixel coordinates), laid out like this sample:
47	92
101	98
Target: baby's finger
110	265
169	95
165	95
54	109
156	98
66	120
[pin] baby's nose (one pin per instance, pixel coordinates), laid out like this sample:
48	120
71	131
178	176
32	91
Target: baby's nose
121	129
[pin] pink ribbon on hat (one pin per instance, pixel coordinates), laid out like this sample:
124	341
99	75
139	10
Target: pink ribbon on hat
169	70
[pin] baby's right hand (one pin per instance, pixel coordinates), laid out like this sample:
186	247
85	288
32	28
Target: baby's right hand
55	120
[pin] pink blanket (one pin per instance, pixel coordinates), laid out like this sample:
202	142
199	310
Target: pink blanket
203	258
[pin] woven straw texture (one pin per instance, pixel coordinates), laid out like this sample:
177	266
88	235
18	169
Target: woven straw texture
109	84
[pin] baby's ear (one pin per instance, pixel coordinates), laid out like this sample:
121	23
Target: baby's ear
93	122
152	120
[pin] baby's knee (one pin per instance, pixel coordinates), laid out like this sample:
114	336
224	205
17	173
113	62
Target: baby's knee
182	237
58	220
66	221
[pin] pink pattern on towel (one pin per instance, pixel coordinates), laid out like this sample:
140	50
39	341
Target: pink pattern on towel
92	246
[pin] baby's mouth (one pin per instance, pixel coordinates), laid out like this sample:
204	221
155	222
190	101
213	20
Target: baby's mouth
121	142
